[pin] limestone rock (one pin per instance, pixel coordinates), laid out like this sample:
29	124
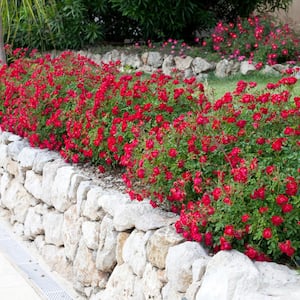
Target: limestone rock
169	293
33	224
159	244
200	65
8	137
43	157
92	209
127	215
226	67
4	185
112	201
90	234
122	284
18	200
168	65
183	63
76	179
121	238
111	56
81	196
131	60
49	173
15	148
267	70
199	268
151	284
278	281
60	188
3	156
13	168
247	67
235	274
154	59
56	260
71	232
84	268
33	184
106	254
155	219
179	261
134	251
52	223
26	157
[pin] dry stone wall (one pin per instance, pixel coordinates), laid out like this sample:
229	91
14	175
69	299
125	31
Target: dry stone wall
111	248
151	61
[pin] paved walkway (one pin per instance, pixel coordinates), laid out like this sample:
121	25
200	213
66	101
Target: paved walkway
22	277
13	284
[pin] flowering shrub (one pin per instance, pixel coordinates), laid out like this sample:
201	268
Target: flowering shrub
71	105
229	167
255	38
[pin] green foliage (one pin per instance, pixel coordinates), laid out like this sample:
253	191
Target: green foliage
181	18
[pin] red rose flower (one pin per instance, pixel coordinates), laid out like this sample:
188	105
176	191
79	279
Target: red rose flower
287	208
277	220
281	199
267	233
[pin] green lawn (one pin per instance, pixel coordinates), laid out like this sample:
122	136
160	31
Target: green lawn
217	87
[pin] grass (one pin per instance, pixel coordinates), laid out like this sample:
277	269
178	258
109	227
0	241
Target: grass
217	87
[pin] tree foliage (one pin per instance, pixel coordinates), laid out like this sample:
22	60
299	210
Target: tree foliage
73	24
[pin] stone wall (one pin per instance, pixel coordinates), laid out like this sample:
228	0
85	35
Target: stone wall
111	248
151	61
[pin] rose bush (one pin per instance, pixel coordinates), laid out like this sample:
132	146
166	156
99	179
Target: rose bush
229	167
255	38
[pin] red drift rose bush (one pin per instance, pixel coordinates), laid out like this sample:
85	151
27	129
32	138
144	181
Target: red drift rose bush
257	39
87	112
231	169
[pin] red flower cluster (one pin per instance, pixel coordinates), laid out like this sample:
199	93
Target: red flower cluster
228	167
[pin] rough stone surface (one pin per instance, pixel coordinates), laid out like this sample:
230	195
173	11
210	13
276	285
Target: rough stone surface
92	209
52	223
60	188
106	254
43	157
151	284
235	274
270	71
84	268
247	68
200	65
26	157
154	220
183	63
127	215
49	173
159	244
134	251
226	68
33	184
154	59
168	65
15	148
71	232
179	263
121	284
90	234
33	224
112	201
121	239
